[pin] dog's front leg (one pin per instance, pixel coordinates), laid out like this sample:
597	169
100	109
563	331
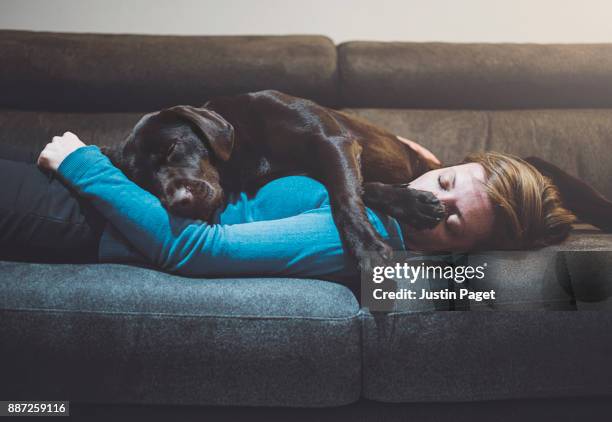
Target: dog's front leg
419	209
340	170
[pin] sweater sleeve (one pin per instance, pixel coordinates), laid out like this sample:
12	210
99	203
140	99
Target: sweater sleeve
306	244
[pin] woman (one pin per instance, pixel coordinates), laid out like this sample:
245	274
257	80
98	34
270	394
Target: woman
493	201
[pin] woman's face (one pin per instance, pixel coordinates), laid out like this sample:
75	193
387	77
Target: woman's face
469	218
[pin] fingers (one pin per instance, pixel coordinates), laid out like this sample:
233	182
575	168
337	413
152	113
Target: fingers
58	149
66	136
69	135
44	158
40	161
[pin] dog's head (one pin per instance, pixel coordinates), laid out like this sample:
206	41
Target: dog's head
174	153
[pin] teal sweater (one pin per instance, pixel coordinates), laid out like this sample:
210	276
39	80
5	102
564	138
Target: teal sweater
286	229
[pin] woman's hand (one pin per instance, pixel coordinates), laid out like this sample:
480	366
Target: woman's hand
58	149
423	152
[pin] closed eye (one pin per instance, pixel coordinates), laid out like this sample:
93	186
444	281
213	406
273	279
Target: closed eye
443	184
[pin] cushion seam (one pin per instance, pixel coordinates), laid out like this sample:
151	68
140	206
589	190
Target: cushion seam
171	315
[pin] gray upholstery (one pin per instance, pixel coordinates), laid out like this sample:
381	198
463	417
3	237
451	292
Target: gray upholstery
32	129
522	350
114	333
469	356
94	72
590	276
564	277
475	76
124	334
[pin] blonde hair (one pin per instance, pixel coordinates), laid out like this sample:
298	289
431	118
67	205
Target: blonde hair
528	208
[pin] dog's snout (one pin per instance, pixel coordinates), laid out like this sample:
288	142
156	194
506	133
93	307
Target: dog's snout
181	197
192	198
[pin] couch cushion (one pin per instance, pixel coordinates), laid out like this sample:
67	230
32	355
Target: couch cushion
579	141
31	130
115	333
109	72
587	258
576	274
414	356
477	76
470	356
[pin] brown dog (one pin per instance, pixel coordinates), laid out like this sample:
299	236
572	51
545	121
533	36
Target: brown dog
189	157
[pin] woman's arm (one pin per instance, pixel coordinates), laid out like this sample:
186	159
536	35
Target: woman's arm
307	244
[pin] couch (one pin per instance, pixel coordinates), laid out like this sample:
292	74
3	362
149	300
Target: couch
123	335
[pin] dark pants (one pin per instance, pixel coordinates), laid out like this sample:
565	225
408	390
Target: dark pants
41	219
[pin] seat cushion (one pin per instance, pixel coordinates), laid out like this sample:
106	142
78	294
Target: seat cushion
587	258
542	340
470	356
114	333
576	274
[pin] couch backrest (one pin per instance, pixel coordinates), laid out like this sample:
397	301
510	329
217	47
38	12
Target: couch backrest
107	72
554	101
475	76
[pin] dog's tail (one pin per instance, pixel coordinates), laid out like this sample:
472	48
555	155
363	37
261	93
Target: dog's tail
583	200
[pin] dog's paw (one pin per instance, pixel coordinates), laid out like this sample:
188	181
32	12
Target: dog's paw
417	208
426	210
375	253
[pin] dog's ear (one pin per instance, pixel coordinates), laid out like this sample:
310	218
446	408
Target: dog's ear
215	129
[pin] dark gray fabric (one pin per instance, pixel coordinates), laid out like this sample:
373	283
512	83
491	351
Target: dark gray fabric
108	72
521	350
574	275
589	273
587	259
32	130
522	280
475	76
114	333
470	356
